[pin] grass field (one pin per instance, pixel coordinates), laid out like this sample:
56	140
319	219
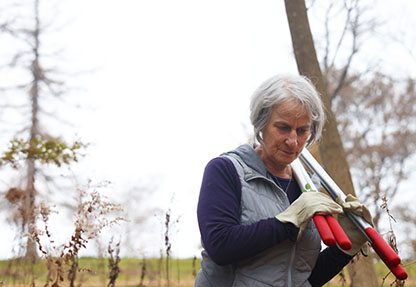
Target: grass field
149	272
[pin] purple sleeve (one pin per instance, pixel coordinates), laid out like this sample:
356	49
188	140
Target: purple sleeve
330	262
224	238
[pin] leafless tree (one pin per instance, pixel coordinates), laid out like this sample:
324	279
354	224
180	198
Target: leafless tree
38	82
375	119
347	25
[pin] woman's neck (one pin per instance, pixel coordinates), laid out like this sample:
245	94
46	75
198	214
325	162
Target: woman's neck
283	171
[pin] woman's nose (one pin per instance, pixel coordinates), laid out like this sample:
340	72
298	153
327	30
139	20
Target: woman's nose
292	139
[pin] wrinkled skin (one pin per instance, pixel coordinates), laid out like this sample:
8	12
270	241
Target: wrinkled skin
284	137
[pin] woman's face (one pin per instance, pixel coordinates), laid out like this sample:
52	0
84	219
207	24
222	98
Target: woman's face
285	134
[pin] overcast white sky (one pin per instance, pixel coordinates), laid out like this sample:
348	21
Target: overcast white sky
175	87
170	90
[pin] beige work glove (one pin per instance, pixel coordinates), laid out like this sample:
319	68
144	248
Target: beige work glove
352	204
300	212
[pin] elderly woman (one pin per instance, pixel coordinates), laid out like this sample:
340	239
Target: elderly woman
246	192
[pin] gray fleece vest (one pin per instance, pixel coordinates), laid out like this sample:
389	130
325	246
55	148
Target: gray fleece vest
287	263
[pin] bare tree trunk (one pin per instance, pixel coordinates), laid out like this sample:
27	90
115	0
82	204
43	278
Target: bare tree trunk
34	131
362	271
29	215
331	150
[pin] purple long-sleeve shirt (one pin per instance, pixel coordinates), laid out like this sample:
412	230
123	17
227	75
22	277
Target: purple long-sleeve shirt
227	241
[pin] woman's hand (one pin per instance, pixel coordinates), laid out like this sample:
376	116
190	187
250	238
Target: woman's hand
352	204
301	211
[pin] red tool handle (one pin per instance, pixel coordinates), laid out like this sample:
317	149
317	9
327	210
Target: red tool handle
386	253
331	232
324	230
339	233
380	246
398	271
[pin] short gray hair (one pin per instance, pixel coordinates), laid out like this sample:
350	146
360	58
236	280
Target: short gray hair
286	87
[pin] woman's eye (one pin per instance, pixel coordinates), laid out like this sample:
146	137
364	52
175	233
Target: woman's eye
284	128
302	131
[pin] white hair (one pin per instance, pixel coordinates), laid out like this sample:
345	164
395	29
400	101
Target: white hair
286	87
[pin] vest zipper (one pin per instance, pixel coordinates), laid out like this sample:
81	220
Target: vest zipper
293	253
282	195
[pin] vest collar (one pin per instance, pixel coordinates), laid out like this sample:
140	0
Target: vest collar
249	156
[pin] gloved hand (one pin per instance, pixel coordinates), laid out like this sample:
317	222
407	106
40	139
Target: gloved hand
300	212
352	204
